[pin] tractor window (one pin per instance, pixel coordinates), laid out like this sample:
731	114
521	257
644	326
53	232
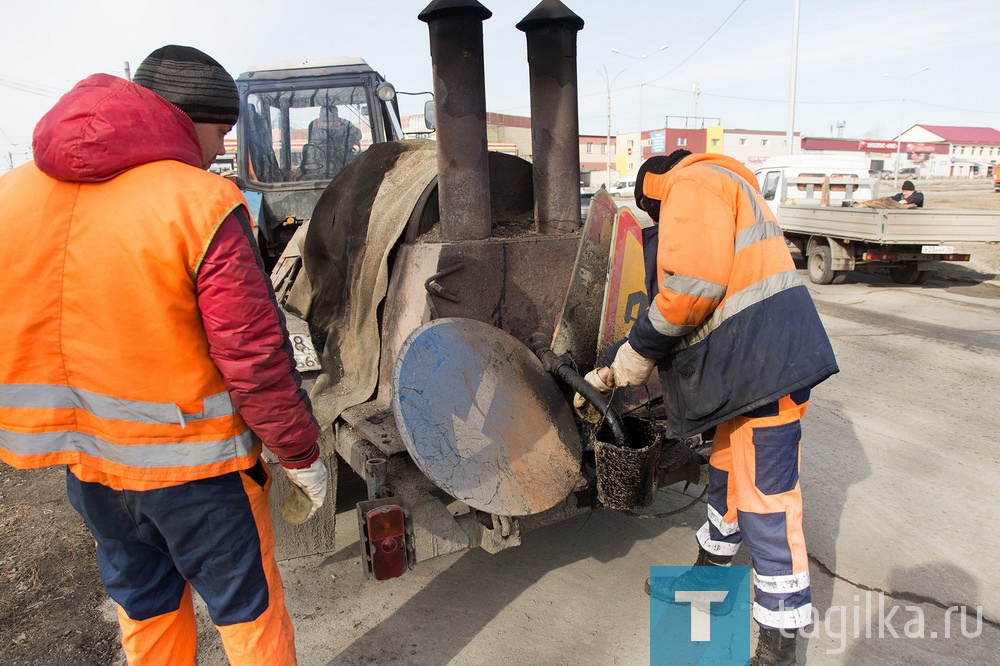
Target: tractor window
305	134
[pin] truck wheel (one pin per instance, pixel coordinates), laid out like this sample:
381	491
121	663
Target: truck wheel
908	274
820	265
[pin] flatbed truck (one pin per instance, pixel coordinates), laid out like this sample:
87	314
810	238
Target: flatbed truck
910	242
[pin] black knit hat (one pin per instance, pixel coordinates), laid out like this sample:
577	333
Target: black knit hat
908	186
193	81
657	164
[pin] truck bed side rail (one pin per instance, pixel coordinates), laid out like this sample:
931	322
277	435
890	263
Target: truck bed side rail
828	190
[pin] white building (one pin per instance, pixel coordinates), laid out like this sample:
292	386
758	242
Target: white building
753	147
970	152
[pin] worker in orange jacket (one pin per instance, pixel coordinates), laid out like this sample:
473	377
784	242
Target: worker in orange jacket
147	354
739	344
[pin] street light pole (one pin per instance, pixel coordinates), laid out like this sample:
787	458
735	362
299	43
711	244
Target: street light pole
641	59
790	131
608	84
902	111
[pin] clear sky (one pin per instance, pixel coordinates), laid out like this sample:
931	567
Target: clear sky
738	53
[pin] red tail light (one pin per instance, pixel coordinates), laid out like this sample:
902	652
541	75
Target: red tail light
387	541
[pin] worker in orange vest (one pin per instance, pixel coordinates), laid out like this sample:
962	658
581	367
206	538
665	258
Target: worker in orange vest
146	353
738	344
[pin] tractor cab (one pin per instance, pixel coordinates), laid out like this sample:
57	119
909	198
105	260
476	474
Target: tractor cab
300	124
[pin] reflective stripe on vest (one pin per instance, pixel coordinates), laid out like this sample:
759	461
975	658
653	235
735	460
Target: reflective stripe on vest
138	456
47	396
761	230
148	456
740	301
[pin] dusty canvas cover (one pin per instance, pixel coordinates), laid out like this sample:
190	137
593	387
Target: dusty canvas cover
354	228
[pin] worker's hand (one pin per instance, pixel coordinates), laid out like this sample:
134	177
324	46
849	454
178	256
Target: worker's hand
312	480
630	368
602	380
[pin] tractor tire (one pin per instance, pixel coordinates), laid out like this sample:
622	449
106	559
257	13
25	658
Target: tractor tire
819	265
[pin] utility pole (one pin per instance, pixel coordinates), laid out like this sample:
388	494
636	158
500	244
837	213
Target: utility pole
608	84
641	59
902	111
697	93
790	132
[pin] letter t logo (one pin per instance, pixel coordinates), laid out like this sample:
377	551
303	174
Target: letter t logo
701	605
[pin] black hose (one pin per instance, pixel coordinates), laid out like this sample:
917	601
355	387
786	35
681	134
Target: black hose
664	514
558	366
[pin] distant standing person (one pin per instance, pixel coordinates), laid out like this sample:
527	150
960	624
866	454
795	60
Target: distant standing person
909	195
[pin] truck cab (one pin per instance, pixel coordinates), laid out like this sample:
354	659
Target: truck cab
301	123
846	180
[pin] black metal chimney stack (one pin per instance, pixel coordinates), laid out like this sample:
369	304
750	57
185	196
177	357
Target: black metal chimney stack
456	33
555	122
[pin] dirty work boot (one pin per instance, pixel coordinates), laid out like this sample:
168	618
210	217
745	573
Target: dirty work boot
663	588
773	649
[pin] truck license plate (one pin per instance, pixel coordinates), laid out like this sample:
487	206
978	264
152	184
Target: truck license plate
937	249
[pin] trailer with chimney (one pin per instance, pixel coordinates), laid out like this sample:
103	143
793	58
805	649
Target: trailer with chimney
444	302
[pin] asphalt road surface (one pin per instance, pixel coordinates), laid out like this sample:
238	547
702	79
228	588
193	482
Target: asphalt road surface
900	479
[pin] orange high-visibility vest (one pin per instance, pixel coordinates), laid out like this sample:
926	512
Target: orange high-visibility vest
105	360
731	319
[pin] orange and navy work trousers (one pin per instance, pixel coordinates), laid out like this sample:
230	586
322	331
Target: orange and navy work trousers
214	535
754	499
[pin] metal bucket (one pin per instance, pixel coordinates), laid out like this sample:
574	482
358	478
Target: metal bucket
626	476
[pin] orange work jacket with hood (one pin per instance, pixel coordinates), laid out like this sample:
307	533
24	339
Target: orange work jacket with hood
731	322
110	365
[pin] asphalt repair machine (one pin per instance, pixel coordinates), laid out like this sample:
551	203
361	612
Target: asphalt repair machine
445	300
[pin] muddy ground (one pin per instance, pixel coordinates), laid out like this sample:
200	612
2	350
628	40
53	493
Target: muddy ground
53	609
51	597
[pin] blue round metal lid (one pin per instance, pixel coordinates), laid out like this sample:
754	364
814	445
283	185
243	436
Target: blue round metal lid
483	420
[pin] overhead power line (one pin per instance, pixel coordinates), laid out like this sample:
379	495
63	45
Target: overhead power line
31	88
780	101
826	102
951	108
707	40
